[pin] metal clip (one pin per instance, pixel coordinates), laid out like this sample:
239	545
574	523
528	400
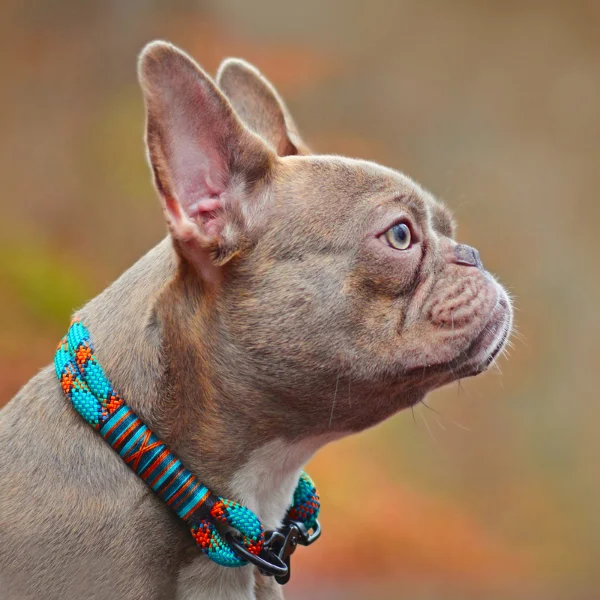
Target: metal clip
284	541
280	544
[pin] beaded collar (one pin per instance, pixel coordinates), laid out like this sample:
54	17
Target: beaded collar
227	532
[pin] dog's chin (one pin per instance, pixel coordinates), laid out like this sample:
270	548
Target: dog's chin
408	387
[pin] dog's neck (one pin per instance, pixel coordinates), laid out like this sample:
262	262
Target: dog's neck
145	329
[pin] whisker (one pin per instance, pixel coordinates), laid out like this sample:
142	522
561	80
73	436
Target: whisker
463	427
349	392
464	389
428	428
334	397
444	416
518	335
437	412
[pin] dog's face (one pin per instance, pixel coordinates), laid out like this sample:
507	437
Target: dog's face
338	288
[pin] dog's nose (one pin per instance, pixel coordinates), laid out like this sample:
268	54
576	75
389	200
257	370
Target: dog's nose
465	255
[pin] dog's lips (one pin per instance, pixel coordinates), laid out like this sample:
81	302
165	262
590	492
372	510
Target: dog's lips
481	352
488	345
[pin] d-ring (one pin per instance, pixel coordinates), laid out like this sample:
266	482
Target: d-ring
277	567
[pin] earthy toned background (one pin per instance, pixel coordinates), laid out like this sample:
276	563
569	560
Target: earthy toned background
494	106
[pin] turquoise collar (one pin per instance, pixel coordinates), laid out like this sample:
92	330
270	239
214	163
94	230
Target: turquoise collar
227	532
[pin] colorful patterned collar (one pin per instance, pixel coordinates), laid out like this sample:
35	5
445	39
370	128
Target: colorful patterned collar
227	532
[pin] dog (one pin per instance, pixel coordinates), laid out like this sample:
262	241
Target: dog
285	278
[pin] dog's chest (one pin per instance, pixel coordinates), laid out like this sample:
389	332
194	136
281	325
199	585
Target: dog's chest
265	484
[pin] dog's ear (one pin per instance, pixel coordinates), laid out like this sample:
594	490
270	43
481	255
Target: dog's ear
260	107
208	167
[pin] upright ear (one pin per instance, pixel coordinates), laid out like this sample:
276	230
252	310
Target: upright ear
259	106
208	168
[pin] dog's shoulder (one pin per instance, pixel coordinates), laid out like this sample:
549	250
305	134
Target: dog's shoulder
63	489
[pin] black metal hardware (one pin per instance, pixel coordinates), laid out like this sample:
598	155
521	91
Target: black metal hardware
280	544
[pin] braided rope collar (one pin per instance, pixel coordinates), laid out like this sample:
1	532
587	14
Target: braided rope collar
227	532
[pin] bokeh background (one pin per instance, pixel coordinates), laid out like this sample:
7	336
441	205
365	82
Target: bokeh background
494	492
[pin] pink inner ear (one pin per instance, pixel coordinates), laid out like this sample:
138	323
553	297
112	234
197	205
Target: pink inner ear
207	213
198	175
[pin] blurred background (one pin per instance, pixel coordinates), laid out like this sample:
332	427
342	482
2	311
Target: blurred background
494	492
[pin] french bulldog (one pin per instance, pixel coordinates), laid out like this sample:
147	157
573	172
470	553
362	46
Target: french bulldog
297	298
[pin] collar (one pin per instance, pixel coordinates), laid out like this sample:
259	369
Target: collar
228	533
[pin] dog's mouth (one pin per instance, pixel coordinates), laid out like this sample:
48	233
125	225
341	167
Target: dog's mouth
481	352
488	345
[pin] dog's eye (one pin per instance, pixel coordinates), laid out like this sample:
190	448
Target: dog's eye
398	236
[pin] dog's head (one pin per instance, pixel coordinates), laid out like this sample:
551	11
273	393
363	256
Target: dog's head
330	277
